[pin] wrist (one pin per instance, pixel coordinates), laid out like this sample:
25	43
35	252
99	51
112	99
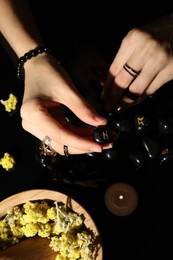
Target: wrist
26	57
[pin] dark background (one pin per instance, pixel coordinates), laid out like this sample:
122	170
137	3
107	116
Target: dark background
85	37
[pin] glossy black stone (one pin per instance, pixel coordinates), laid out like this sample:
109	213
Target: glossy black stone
138	157
151	146
111	154
123	125
165	125
93	155
166	155
103	135
141	122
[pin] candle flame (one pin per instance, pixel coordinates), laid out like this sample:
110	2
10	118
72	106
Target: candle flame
121	197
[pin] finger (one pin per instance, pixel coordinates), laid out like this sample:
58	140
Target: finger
80	107
142	80
145	84
148	77
118	79
136	92
162	78
120	59
41	119
59	147
123	80
43	124
152	77
61	136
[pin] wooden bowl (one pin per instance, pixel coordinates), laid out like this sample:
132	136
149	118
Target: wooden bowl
37	247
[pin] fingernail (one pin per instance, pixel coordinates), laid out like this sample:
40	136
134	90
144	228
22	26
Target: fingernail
96	149
108	146
100	119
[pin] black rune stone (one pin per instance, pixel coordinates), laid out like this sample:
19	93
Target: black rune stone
103	135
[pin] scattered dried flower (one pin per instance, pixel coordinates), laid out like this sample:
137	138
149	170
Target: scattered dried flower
11	103
7	162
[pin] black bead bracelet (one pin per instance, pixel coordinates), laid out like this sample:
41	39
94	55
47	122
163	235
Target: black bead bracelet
27	56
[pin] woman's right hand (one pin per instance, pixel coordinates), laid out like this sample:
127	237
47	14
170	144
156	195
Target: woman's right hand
142	65
48	88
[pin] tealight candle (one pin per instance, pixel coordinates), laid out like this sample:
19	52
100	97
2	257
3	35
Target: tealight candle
121	199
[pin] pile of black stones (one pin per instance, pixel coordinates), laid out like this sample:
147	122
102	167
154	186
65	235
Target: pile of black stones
141	135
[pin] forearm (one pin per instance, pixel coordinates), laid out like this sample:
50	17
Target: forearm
18	26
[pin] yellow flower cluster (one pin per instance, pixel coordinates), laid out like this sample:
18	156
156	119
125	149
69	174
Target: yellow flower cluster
68	235
7	162
10	104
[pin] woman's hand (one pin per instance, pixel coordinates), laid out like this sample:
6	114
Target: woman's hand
48	89
143	63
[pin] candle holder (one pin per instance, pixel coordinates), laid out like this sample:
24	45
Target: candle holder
121	199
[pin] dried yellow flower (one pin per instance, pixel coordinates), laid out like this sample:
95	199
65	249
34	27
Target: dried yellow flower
11	103
7	162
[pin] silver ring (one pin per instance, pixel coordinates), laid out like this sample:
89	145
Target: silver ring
66	151
45	147
132	72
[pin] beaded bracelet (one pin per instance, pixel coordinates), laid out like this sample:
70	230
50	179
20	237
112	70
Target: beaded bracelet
27	56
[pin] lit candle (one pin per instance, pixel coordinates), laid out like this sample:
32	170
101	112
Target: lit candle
121	199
